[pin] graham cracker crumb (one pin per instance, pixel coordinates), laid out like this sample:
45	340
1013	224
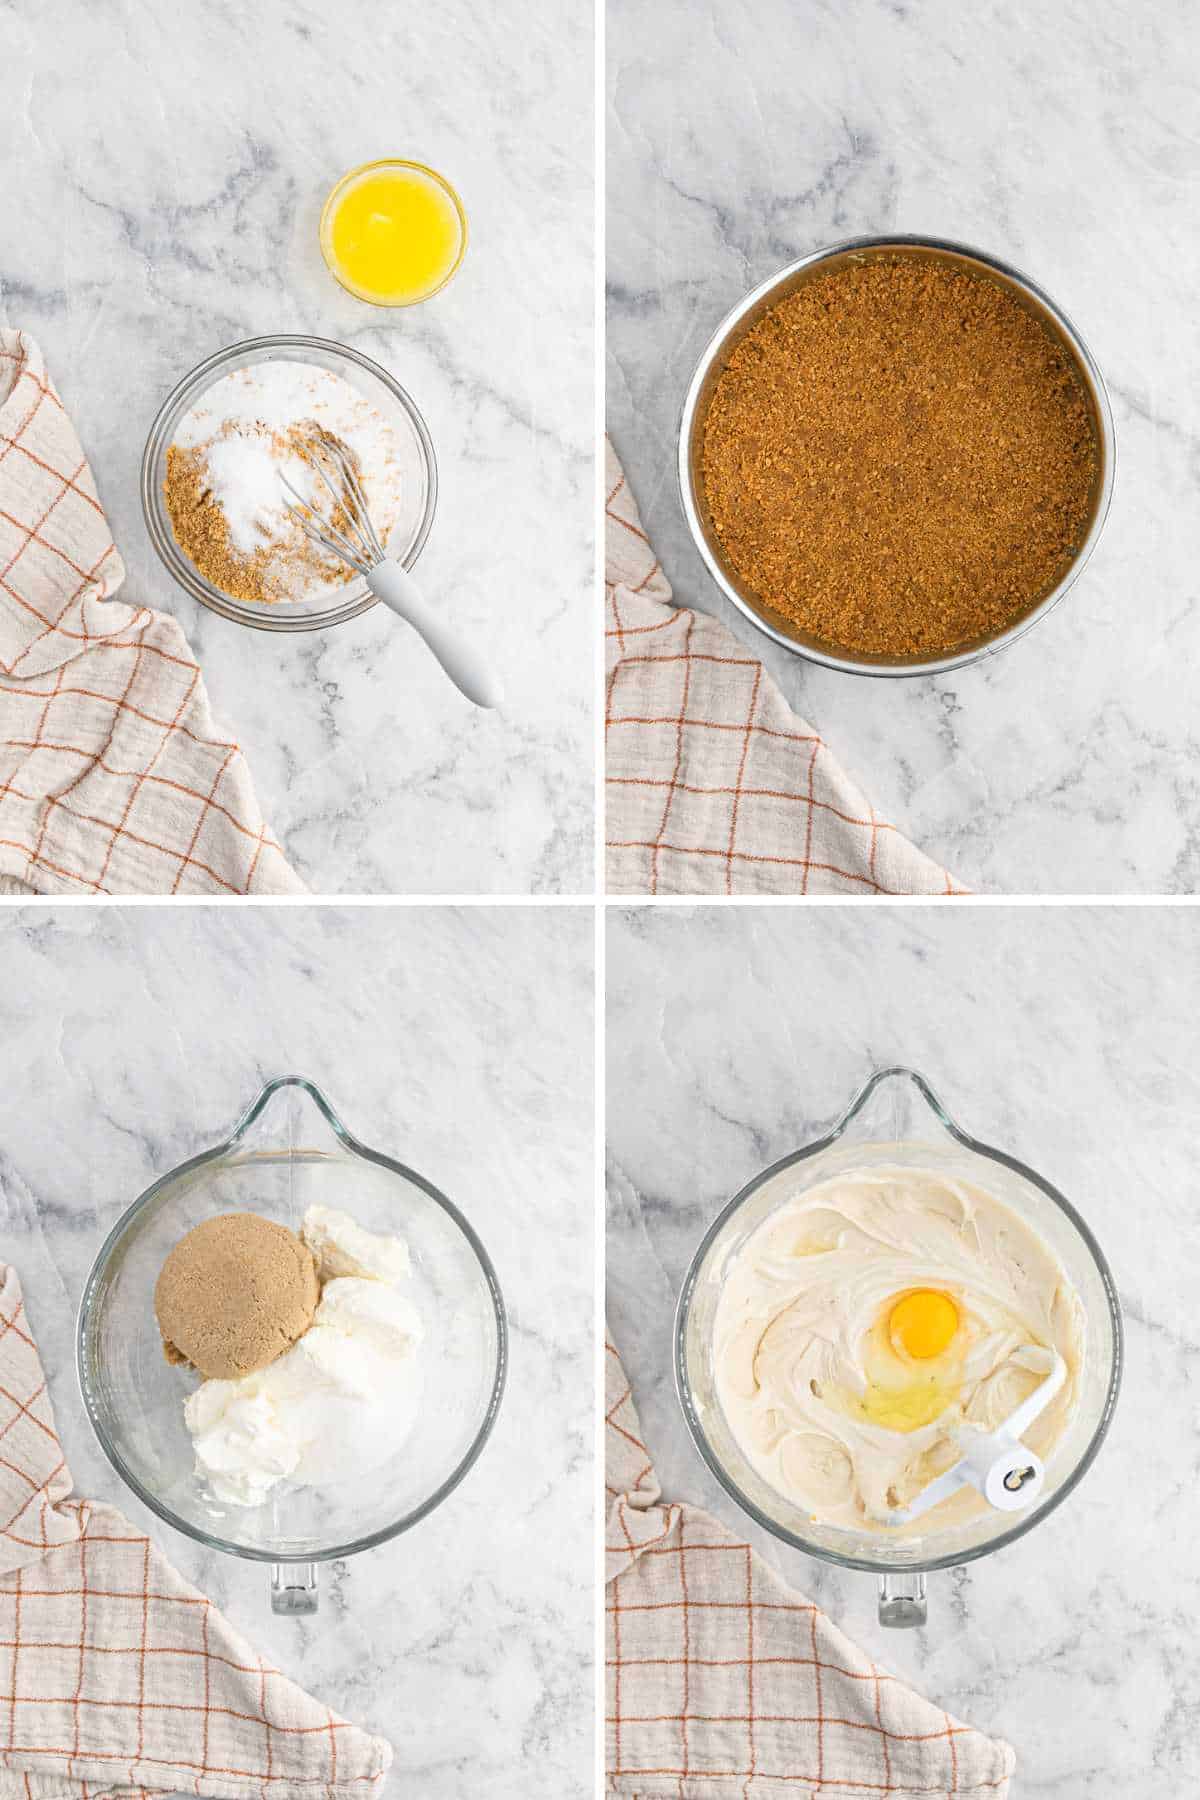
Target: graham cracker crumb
202	532
899	459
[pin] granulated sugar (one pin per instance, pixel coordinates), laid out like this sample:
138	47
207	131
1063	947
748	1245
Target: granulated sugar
224	491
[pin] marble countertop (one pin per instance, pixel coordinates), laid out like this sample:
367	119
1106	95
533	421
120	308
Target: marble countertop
459	1040
736	1035
168	167
1062	139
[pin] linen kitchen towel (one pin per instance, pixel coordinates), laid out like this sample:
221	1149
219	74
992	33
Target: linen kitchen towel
113	777
726	1684
118	1678
714	786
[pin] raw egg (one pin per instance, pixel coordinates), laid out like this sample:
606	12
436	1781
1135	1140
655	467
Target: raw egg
912	1361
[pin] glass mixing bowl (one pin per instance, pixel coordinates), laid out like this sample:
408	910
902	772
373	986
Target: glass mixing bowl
745	316
290	1151
418	478
897	1118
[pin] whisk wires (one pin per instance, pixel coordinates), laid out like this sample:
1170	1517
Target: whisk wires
355	541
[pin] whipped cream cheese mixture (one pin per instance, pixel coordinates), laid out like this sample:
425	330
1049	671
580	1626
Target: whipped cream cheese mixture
866	1322
223	490
342	1400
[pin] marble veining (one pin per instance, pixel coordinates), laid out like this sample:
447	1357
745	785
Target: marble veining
459	1040
168	168
1062	139
736	1035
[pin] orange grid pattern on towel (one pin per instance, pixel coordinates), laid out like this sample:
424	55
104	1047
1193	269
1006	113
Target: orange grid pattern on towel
723	1682
113	777
116	1676
714	786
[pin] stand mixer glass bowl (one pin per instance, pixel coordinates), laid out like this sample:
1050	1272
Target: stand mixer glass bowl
898	1120
290	1151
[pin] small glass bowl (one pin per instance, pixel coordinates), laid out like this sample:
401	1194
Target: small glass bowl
343	187
326	605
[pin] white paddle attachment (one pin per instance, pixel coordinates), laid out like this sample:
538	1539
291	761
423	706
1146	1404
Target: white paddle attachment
996	1463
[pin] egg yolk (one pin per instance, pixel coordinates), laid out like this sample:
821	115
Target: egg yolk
922	1324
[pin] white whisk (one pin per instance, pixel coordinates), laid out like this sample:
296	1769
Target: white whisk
358	545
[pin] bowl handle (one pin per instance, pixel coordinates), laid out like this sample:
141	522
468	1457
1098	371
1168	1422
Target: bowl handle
902	1599
294	1588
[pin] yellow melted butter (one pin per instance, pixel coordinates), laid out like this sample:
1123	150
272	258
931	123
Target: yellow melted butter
394	236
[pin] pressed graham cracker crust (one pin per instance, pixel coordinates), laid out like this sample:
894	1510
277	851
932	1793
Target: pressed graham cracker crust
899	459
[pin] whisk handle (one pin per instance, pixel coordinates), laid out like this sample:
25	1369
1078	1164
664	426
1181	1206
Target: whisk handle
461	661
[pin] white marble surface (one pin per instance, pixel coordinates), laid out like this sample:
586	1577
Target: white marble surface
460	1041
1063	138
165	171
1068	1037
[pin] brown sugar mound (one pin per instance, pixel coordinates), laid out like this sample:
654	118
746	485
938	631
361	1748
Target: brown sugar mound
235	1293
899	459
